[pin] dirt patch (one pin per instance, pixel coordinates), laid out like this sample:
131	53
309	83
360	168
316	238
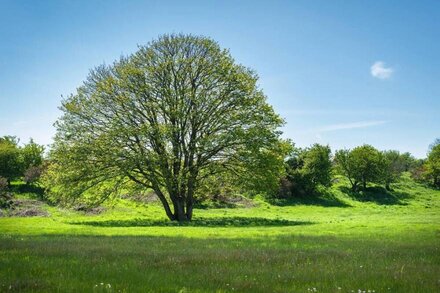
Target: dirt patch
28	212
25	208
90	210
237	201
147	197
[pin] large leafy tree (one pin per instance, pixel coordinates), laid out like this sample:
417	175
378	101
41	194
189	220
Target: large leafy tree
177	111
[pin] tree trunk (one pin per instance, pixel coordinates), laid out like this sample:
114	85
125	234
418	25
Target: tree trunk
179	211
364	184
165	204
190	197
189	210
354	186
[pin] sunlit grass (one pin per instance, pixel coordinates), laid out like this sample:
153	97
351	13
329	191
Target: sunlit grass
341	243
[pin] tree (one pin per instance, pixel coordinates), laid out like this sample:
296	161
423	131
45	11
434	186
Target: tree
175	112
317	165
432	164
308	168
10	159
32	155
393	164
361	165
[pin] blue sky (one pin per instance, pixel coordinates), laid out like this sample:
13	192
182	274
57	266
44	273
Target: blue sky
342	73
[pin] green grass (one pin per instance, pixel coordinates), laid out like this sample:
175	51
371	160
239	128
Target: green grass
341	242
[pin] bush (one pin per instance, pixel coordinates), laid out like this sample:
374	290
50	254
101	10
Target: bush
5	196
3	184
306	170
33	174
10	159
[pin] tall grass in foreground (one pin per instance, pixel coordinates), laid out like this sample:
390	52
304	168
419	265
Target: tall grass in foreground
375	240
178	264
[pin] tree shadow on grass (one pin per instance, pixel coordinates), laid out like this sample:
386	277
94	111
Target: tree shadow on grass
34	191
197	222
323	198
377	194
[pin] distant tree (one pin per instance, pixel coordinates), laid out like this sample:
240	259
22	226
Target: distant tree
10	159
174	113
393	165
32	154
307	169
361	165
432	164
317	165
409	162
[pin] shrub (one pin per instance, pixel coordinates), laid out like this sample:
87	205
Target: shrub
5	196
306	170
33	174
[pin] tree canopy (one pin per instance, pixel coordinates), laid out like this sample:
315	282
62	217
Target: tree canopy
172	114
432	165
10	160
361	165
15	160
308	168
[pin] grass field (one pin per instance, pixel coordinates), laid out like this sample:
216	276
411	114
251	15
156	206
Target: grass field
341	242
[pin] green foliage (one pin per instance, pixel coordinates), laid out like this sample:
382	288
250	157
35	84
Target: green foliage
432	164
5	196
262	168
362	165
393	165
317	165
368	244
15	160
10	159
306	170
33	174
167	117
32	154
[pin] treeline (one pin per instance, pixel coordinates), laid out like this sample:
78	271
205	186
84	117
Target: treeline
311	168
306	169
20	162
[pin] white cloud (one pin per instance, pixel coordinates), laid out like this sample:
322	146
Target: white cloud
352	125
379	70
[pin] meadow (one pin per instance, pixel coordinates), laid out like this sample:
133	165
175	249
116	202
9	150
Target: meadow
374	241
